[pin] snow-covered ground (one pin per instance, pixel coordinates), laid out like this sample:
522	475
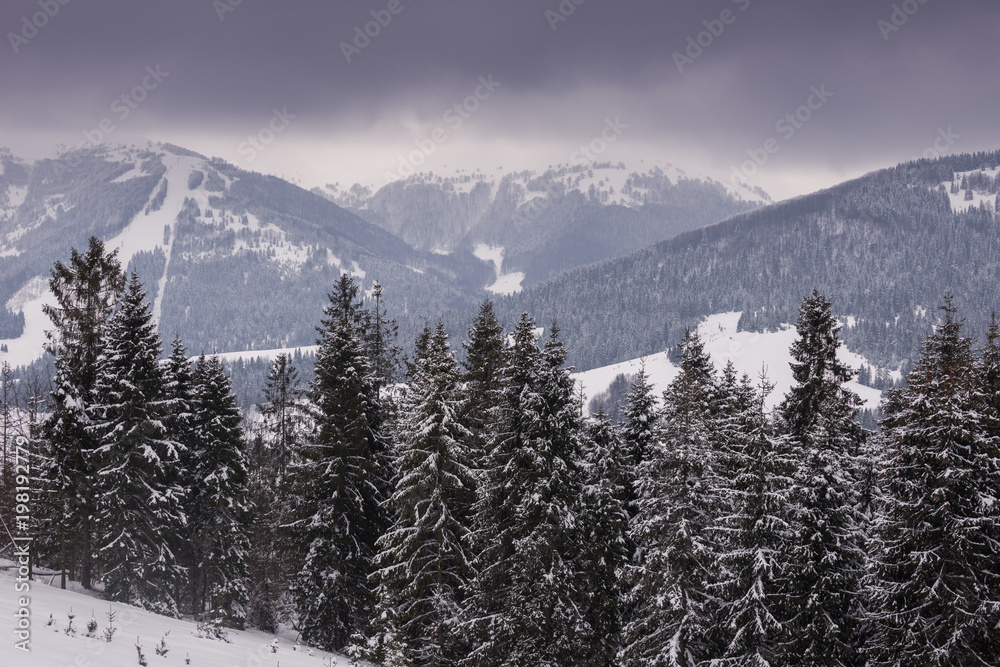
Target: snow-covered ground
146	233
51	646
503	283
250	355
957	199
24	349
750	352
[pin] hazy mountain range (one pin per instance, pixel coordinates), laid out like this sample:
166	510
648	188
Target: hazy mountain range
235	260
623	260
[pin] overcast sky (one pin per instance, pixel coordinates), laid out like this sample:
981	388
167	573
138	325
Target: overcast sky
893	78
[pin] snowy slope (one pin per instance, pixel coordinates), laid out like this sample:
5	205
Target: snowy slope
146	232
269	355
957	199
503	283
50	646
750	352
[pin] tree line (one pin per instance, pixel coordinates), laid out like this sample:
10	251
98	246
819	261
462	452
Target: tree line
430	512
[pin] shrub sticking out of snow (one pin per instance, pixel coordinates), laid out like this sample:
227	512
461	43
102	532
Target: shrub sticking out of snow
109	632
92	626
162	648
70	630
138	649
213	629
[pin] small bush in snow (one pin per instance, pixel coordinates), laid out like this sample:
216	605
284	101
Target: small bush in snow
109	631
92	627
162	648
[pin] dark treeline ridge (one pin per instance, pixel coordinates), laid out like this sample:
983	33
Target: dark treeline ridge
882	247
442	513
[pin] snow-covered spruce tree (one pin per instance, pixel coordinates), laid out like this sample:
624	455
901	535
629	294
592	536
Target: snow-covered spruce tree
606	548
217	504
379	340
178	421
988	372
672	581
737	403
178	388
273	561
934	577
423	565
638	430
85	291
528	603
484	355
341	476
282	411
757	537
138	509
827	552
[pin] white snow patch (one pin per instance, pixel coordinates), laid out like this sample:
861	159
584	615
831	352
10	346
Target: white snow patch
145	232
16	194
750	352
51	646
957	199
30	291
270	355
490	253
503	283
28	347
509	283
135	172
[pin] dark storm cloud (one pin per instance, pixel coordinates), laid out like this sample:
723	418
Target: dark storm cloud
230	64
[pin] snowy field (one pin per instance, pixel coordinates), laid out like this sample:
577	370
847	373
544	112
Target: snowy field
51	646
750	352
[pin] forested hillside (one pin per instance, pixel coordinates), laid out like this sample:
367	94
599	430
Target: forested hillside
885	247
